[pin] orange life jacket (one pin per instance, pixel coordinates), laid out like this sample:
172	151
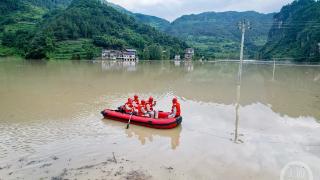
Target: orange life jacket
129	105
137	102
177	106
140	109
151	105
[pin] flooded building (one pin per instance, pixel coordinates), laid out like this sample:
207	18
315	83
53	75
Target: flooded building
111	54
188	54
129	55
125	55
177	58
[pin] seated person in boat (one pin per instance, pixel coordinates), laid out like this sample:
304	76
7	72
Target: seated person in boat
128	107
143	109
149	107
151	102
175	110
133	105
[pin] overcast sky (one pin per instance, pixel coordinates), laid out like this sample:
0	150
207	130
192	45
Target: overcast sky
171	9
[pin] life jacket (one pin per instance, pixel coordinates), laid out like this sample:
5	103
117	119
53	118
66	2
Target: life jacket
141	108
151	106
177	106
136	102
130	106
138	109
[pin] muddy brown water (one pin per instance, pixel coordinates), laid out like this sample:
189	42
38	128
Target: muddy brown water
51	126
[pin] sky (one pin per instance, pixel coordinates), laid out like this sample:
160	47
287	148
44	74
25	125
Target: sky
172	9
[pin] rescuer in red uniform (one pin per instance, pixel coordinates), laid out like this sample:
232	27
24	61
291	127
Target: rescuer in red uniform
136	100
150	108
151	103
143	109
128	107
175	110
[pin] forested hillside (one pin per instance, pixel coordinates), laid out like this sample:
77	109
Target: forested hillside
50	4
81	30
216	35
295	33
156	22
7	6
18	21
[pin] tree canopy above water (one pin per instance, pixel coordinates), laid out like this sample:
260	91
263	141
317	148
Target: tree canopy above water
92	19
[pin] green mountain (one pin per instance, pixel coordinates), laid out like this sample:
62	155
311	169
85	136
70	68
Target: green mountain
7	6
216	34
156	22
295	33
119	8
82	29
50	4
21	17
65	29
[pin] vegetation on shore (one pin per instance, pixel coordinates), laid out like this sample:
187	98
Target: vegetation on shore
80	30
216	34
295	33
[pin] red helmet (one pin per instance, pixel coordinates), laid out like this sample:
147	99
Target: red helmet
129	100
143	102
174	100
150	99
136	97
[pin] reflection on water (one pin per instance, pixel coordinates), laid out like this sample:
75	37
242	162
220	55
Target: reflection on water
236	135
144	134
237	106
188	66
119	65
177	63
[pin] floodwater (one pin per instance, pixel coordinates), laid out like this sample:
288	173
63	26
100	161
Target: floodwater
248	124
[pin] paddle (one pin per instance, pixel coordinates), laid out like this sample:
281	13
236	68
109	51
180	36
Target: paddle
129	120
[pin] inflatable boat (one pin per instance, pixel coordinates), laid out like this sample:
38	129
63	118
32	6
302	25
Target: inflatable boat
163	122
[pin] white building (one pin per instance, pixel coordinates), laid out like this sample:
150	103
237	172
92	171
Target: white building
129	55
177	58
126	55
188	54
110	54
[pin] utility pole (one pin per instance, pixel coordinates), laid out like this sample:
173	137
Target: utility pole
243	26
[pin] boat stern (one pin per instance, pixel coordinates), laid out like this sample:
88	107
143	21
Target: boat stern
179	120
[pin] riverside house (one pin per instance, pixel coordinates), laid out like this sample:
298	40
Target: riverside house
188	54
124	55
177	58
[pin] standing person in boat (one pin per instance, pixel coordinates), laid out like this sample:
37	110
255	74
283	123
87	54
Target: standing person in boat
175	110
136	100
150	108
136	105
128	107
